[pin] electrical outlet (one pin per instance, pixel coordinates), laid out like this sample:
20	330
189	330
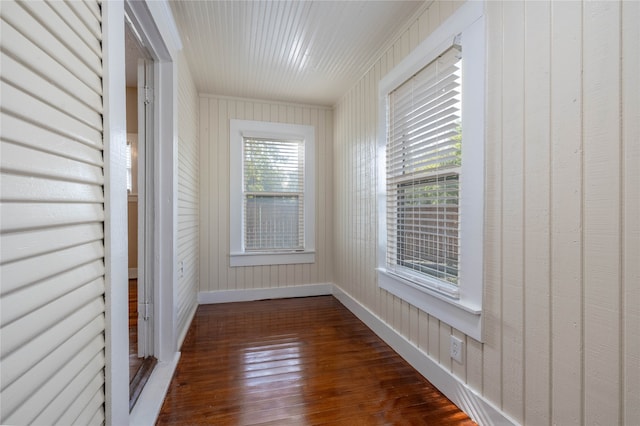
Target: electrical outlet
455	349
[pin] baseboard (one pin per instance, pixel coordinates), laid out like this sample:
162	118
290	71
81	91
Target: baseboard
133	273
147	409
183	333
247	295
480	410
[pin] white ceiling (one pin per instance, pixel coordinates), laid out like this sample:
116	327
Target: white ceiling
297	51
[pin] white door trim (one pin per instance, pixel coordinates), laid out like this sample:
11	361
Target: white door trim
156	27
159	33
115	225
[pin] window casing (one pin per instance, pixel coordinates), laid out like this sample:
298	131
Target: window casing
272	200
431	173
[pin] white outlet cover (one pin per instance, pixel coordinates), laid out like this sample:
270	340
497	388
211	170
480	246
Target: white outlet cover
456	349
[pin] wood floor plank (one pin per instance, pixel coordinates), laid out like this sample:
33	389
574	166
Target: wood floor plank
304	361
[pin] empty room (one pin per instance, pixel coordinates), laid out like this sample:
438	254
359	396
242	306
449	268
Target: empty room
309	212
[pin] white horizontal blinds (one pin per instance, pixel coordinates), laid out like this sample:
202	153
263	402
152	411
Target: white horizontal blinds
423	165
273	194
51	214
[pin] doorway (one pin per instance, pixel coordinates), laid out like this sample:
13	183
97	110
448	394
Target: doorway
139	69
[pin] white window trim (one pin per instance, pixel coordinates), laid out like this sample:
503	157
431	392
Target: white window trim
238	129
465	312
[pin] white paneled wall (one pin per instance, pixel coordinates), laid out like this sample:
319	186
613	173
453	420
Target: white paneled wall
188	198
52	214
562	228
215	272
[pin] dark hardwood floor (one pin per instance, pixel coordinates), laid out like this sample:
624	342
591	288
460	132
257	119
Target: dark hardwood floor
134	362
305	361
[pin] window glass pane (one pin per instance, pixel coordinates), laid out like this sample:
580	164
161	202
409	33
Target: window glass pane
272	222
273	166
129	165
427	225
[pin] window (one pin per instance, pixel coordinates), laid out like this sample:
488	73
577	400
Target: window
423	152
131	154
127	153
431	181
272	193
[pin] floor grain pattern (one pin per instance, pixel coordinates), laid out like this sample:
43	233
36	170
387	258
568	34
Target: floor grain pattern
304	361
134	362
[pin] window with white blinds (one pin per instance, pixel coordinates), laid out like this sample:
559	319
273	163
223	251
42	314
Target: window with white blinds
272	193
423	162
430	151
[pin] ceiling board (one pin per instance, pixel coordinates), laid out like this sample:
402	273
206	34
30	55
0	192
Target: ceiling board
298	51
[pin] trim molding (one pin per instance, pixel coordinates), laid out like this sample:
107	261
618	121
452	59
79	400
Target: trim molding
116	368
476	407
147	409
183	333
248	295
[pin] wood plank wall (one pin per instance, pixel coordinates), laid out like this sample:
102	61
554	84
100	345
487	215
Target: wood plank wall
215	272
562	227
188	198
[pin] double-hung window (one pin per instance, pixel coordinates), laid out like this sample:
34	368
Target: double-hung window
272	196
423	153
431	200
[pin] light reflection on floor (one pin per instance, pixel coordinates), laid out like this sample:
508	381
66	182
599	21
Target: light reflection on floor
273	380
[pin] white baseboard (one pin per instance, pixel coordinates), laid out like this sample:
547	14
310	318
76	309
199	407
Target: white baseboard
183	333
480	410
147	408
226	296
133	273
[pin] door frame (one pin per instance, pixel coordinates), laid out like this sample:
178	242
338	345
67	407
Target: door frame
145	233
154	21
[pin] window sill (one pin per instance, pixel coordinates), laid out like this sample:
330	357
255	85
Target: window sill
462	316
275	258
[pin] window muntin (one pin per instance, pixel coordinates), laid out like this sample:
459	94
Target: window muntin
423	159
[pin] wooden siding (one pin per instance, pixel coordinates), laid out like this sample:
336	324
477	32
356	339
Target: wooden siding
562	239
188	198
215	272
52	214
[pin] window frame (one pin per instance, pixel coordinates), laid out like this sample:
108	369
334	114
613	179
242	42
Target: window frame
238	130
464	311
